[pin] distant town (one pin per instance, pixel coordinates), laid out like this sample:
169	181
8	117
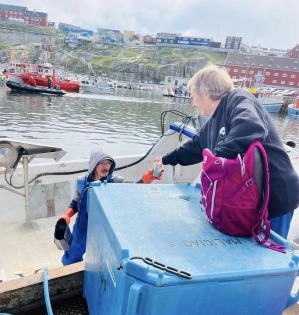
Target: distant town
246	64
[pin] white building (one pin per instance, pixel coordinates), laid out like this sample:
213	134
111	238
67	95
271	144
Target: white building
176	81
262	51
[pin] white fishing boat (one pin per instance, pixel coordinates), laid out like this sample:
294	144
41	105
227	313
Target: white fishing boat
268	99
147	88
96	87
34	195
293	107
272	103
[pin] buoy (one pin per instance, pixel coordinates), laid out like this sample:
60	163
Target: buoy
291	144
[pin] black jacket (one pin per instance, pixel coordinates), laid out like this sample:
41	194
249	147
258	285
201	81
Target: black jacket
239	120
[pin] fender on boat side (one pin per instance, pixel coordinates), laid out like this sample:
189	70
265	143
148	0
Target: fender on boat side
187	131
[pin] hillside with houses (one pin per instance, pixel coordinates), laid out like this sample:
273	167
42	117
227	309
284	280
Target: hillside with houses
128	63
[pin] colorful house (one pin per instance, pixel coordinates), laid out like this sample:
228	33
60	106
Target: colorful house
15	13
110	36
267	70
293	53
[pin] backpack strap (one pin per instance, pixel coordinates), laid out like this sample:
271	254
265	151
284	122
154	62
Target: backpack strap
265	240
264	223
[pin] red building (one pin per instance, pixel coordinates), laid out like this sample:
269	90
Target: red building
294	52
147	39
15	13
47	47
268	70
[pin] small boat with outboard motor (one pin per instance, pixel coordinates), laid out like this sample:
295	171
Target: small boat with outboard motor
33	88
96	87
177	96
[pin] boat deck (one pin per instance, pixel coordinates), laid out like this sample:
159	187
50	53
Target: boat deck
293	310
17	244
72	306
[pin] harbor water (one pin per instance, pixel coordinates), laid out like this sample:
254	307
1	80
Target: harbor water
128	122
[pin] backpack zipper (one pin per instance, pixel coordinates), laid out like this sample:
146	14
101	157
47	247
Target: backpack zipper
213	198
242	164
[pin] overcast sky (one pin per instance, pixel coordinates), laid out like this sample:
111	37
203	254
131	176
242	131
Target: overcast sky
269	23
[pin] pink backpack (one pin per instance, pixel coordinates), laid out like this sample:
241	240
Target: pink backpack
235	194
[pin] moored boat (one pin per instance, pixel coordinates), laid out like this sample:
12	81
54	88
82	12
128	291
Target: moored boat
271	102
168	95
13	71
293	106
41	73
33	89
293	111
96	87
177	96
272	107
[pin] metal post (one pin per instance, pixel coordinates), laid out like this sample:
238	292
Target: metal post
26	189
28	226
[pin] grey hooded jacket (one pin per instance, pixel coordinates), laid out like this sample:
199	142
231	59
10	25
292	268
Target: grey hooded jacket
97	155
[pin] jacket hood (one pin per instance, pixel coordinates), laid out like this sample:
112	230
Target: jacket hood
97	155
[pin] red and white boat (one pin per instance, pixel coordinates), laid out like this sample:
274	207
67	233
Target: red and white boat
14	69
41	73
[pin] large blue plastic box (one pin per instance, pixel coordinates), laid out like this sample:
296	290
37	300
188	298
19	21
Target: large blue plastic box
228	275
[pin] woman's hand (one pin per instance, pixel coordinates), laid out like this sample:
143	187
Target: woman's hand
158	161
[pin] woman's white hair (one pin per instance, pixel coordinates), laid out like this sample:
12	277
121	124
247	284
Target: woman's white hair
213	80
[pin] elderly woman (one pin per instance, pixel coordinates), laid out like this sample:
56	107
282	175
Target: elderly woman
237	119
